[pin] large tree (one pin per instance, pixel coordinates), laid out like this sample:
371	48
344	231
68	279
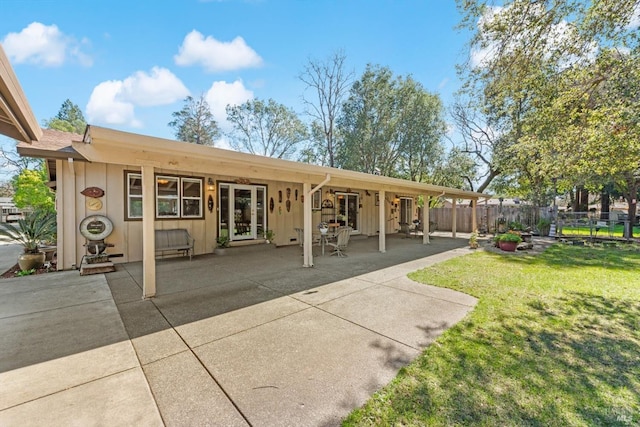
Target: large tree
557	79
328	81
68	119
390	125
195	122
265	128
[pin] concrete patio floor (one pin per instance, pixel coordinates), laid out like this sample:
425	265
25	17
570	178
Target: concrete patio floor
249	338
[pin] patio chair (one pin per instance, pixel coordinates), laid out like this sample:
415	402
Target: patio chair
342	240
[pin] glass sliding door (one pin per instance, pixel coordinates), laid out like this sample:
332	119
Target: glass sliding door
406	210
242	211
348	212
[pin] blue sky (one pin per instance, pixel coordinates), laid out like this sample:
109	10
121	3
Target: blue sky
129	64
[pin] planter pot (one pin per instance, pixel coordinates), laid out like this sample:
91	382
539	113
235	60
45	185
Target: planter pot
220	251
28	261
508	246
49	252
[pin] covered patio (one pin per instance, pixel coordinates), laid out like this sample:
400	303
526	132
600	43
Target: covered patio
248	338
285	345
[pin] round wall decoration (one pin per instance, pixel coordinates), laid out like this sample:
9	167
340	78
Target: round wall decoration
93	204
96	227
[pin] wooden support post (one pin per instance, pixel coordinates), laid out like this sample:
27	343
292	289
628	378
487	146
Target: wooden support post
148	233
474	219
454	219
382	242
425	219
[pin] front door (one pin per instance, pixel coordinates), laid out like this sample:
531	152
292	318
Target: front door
348	212
242	211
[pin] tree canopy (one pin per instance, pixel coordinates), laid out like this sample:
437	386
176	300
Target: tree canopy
266	128
68	119
31	190
329	82
557	83
195	123
390	125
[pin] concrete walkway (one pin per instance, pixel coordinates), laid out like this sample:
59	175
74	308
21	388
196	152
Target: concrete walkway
249	339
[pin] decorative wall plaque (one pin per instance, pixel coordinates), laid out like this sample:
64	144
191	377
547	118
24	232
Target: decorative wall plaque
92	192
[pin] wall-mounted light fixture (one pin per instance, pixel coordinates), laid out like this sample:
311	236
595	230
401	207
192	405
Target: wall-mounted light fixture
210	185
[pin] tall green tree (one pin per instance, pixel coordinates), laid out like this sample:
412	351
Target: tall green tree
544	75
390	125
195	123
68	119
266	128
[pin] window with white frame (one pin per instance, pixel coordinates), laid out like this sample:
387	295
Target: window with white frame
134	196
167	196
191	197
175	197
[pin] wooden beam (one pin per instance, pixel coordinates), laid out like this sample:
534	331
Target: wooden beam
148	233
454	217
425	220
382	238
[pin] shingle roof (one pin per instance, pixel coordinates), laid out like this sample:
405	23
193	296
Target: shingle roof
53	144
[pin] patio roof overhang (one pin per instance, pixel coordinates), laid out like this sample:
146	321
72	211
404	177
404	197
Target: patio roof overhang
114	146
17	121
117	147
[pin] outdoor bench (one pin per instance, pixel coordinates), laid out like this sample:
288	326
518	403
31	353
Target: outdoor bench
177	239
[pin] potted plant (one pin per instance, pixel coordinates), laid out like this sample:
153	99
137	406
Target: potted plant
34	228
473	240
222	245
269	235
509	241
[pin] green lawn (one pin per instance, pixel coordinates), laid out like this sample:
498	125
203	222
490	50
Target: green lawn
616	231
553	341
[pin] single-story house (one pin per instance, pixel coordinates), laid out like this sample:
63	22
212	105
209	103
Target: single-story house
143	183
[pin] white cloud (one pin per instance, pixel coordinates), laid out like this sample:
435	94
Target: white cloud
44	45
114	101
215	55
222	94
104	105
160	87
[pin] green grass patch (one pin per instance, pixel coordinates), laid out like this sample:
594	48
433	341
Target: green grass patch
554	340
585	230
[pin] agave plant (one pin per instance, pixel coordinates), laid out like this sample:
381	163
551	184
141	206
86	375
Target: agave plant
36	227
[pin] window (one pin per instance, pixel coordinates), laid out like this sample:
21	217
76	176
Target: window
134	196
176	197
191	198
167	197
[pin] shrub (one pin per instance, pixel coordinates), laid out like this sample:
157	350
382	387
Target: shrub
509	237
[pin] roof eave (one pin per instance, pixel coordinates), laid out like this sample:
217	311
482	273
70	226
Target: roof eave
17	120
96	135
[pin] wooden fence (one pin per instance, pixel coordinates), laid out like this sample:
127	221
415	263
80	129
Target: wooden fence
487	217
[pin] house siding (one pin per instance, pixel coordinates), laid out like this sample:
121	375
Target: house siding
126	237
